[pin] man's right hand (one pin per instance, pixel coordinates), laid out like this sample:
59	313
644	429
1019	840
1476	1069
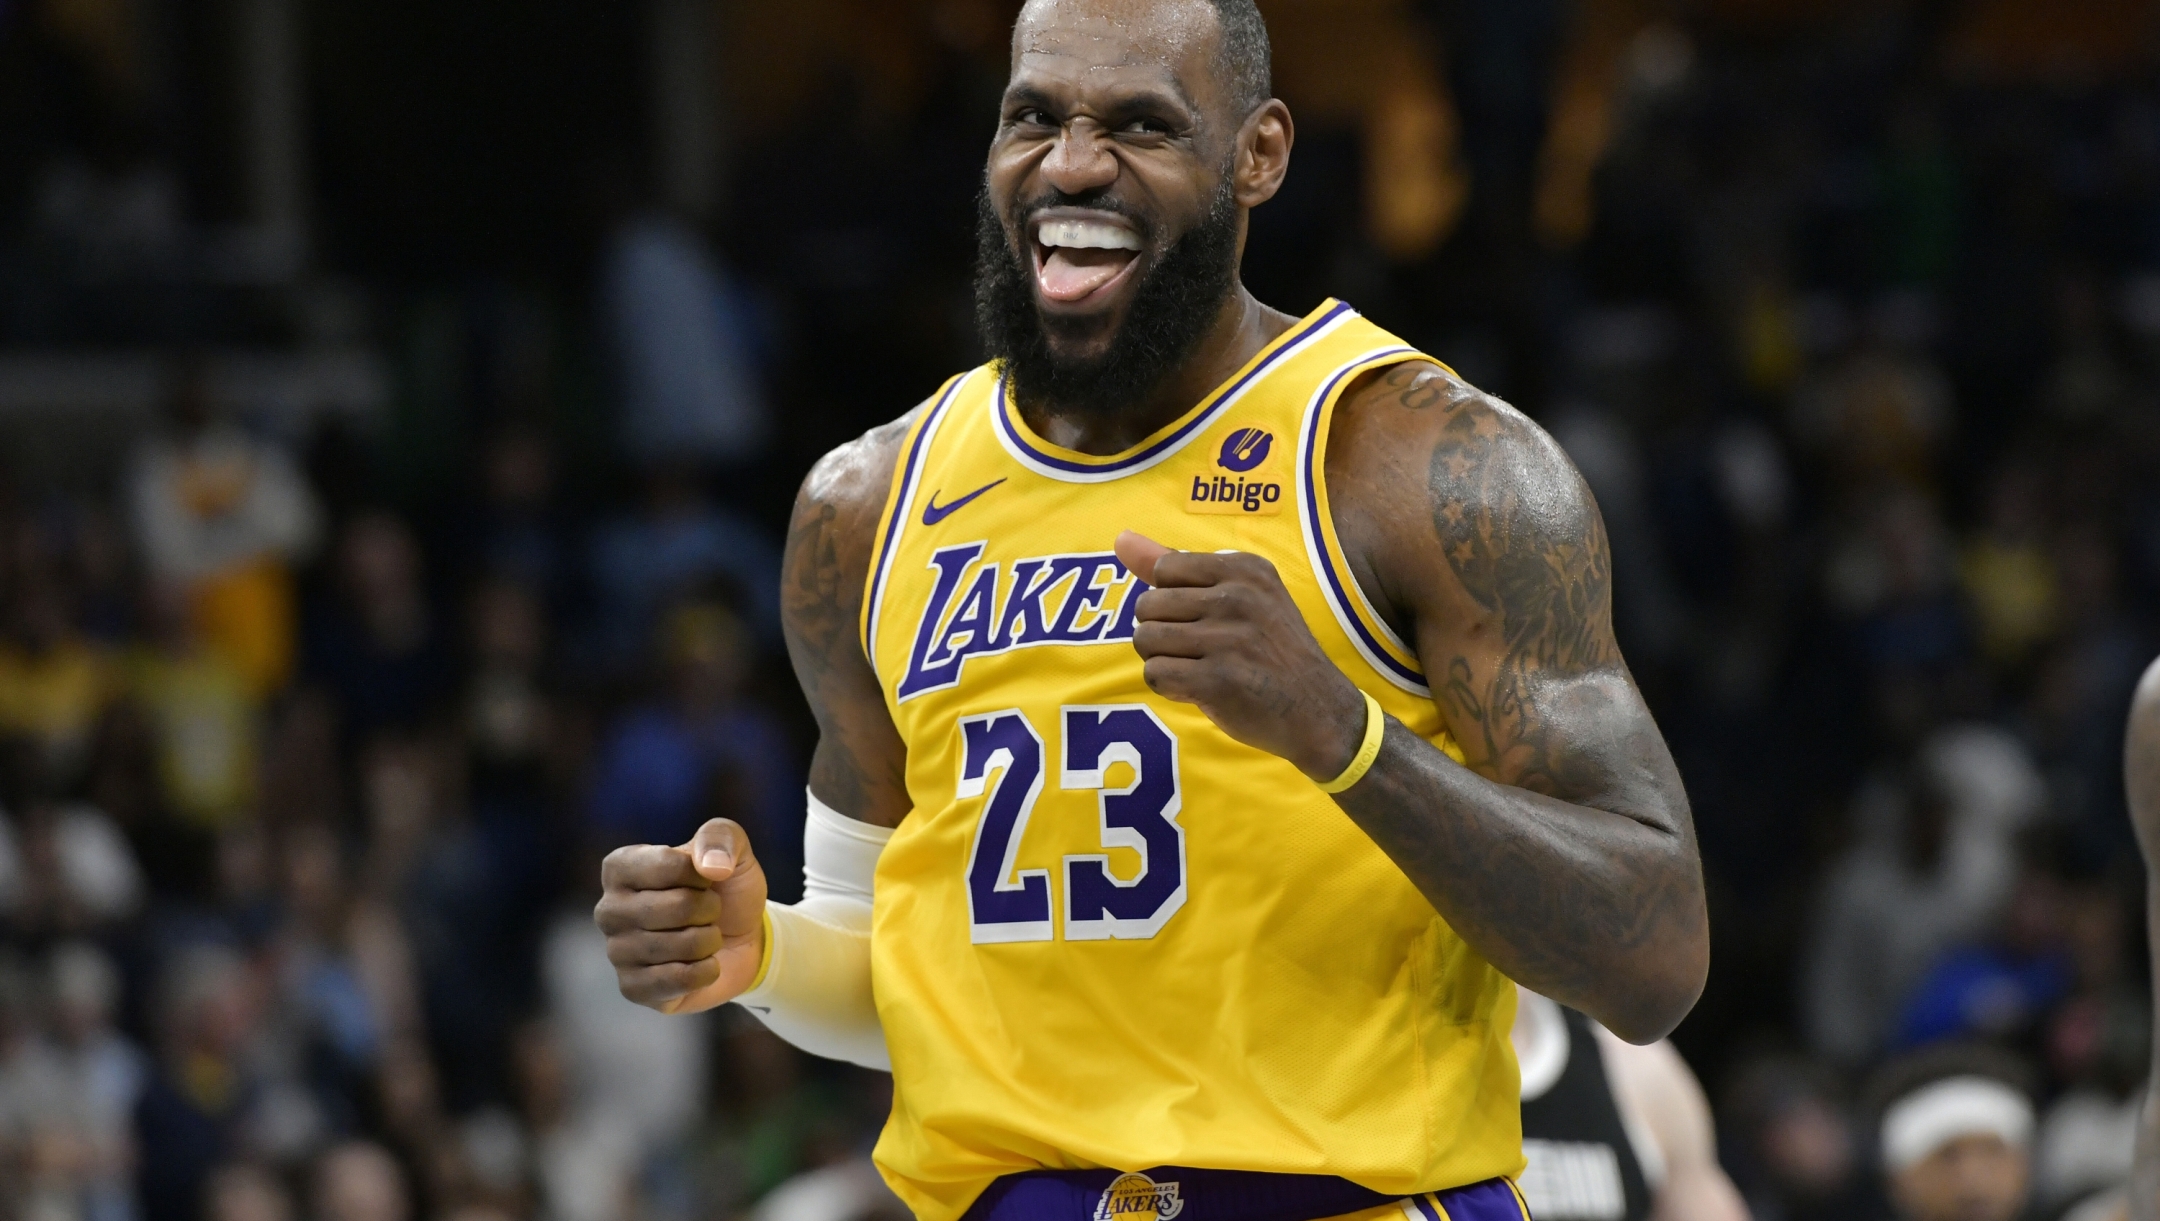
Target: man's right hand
685	925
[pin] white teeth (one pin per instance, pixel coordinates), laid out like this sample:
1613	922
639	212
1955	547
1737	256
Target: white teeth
1086	235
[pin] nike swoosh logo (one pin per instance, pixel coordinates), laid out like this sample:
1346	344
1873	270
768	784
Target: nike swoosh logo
933	512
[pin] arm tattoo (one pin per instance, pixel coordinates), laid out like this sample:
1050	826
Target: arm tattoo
1565	852
816	606
859	765
1522	539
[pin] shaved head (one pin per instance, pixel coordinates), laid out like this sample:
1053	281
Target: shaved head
1243	61
1244	57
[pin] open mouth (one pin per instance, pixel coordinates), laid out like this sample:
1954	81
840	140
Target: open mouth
1077	258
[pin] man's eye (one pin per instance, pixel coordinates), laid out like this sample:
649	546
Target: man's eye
1148	127
1033	117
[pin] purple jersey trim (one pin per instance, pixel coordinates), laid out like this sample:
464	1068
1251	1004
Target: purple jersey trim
1491	1200
1343	597
1199	421
900	516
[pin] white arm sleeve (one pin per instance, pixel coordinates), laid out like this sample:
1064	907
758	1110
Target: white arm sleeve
816	989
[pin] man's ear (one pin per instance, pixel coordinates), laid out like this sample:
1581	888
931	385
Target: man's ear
1263	155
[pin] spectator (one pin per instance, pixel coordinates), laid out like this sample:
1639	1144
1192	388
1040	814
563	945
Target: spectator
677	544
2098	1047
675	326
204	716
2084	1150
770	1110
1799	1158
584	1169
1932	867
247	1191
360	1181
54	683
2074	716
1956	1136
64	867
1892	575
471	945
347	975
2002	987
178	857
102	1074
613	1089
515	746
377	647
667	763
1883	412
194	1113
497	1141
224	515
520	534
2008	575
42	1122
428	864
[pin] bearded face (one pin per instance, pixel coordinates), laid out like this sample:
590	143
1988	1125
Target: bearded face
1056	250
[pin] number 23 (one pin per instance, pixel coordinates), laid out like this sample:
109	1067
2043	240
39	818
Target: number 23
1004	905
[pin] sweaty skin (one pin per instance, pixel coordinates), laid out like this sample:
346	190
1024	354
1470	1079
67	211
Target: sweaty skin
2141	776
1564	852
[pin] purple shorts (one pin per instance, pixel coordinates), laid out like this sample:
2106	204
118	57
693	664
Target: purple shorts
1185	1194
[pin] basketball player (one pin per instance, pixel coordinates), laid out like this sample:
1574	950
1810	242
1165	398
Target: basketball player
2141	782
1224	703
1612	1131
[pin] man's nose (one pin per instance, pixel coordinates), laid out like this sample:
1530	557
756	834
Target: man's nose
1081	160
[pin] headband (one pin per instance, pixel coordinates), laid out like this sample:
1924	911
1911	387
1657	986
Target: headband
1932	1116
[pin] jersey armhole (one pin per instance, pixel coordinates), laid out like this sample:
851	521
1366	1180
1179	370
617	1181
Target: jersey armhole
892	521
1375	641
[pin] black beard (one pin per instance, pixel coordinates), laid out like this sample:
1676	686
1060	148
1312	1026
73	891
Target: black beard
1174	306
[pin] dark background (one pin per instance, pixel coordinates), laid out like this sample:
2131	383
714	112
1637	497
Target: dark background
1850	313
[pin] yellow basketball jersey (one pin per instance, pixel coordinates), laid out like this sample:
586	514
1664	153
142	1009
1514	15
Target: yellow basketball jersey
1108	935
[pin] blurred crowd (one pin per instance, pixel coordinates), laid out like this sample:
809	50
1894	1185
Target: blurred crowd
303	811
313	729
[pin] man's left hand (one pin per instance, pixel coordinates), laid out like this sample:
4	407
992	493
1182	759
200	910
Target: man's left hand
1219	631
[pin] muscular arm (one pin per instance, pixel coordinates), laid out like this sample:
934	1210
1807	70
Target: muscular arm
1564	852
2141	776
859	766
1656	1090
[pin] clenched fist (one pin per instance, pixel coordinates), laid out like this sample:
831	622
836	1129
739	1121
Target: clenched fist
685	925
1219	631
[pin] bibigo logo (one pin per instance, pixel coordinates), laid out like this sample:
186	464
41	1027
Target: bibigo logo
1245	449
1136	1197
1247	490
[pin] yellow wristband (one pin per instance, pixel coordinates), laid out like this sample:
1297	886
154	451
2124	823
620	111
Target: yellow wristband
1375	730
764	954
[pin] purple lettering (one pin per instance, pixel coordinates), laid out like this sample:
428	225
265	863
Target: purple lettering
1088	592
951	563
1023	622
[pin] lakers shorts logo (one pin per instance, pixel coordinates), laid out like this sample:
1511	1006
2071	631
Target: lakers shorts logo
1136	1197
